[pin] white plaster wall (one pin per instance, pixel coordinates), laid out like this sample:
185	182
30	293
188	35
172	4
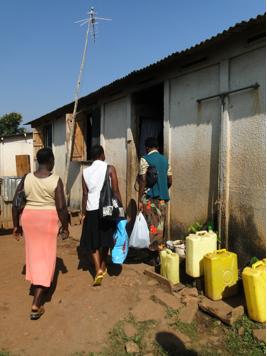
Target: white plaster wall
194	148
115	133
11	147
247	180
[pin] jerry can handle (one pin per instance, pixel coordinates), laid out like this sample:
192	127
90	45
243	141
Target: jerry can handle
258	263
220	251
201	232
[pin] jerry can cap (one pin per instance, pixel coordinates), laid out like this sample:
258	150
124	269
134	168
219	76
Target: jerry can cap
259	263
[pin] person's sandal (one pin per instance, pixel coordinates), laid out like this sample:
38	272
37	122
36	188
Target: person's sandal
35	314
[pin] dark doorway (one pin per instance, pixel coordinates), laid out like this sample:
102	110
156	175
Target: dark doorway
93	130
149	105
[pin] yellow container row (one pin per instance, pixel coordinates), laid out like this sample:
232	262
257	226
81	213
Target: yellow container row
220	270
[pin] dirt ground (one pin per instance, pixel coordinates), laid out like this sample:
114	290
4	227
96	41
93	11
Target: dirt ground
78	318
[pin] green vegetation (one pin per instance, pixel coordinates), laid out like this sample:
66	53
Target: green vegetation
9	124
245	344
195	228
3	352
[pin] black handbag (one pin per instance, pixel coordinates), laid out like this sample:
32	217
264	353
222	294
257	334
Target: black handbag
110	207
151	177
20	199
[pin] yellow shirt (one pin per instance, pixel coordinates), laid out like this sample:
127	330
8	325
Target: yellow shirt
40	192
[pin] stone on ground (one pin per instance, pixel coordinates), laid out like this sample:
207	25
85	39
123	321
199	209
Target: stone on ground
187	291
152	282
260	334
188	299
148	310
221	310
131	347
167	300
187	314
241	331
130	330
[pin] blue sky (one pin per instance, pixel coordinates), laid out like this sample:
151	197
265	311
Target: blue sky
42	46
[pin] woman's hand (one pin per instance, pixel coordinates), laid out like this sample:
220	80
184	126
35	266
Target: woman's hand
16	232
140	207
66	232
82	219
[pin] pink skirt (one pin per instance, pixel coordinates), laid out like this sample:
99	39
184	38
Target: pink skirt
40	230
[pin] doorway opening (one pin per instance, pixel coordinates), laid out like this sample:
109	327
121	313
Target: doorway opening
149	106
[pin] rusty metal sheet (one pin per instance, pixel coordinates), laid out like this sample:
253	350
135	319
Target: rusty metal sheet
8	187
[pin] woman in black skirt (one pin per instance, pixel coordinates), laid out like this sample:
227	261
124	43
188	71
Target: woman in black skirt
96	232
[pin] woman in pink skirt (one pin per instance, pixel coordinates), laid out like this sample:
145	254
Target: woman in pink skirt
45	205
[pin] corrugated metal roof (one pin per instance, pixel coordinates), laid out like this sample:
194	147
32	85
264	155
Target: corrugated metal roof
220	37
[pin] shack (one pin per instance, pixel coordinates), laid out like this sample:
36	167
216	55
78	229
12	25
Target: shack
16	159
207	106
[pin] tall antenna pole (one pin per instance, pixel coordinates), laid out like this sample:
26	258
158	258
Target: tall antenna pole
69	149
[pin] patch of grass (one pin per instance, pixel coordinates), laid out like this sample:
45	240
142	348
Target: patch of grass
188	329
4	352
245	344
171	313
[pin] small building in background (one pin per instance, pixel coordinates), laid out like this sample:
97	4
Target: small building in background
12	146
16	159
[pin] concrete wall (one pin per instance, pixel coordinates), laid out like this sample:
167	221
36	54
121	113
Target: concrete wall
11	147
218	153
194	148
115	132
246	217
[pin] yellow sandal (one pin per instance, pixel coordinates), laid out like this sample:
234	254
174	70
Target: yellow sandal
98	280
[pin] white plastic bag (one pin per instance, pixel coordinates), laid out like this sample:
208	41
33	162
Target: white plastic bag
140	234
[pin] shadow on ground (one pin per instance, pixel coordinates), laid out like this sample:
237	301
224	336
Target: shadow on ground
60	266
171	344
86	263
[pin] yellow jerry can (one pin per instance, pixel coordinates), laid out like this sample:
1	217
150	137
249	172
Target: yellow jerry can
169	265
220	274
254	282
197	245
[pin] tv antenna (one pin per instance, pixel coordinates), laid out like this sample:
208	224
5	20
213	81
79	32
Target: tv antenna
94	31
92	19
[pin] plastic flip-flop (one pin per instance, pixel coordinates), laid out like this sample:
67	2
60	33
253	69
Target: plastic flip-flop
98	280
35	314
105	272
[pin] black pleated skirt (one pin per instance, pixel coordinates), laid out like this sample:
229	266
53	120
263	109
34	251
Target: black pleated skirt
97	232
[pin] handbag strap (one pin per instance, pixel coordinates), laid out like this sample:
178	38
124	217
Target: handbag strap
22	181
106	176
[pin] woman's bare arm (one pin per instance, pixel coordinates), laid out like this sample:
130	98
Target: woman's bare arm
114	182
61	207
17	230
84	202
142	185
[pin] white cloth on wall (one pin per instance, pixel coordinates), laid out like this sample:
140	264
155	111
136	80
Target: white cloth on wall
149	128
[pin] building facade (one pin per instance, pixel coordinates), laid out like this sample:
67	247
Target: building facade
207	107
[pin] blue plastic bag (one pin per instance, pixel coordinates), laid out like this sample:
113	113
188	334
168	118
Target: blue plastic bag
121	242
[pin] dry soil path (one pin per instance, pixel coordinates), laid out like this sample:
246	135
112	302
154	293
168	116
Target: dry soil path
77	316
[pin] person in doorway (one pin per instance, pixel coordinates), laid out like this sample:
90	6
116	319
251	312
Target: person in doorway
152	201
97	233
45	205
